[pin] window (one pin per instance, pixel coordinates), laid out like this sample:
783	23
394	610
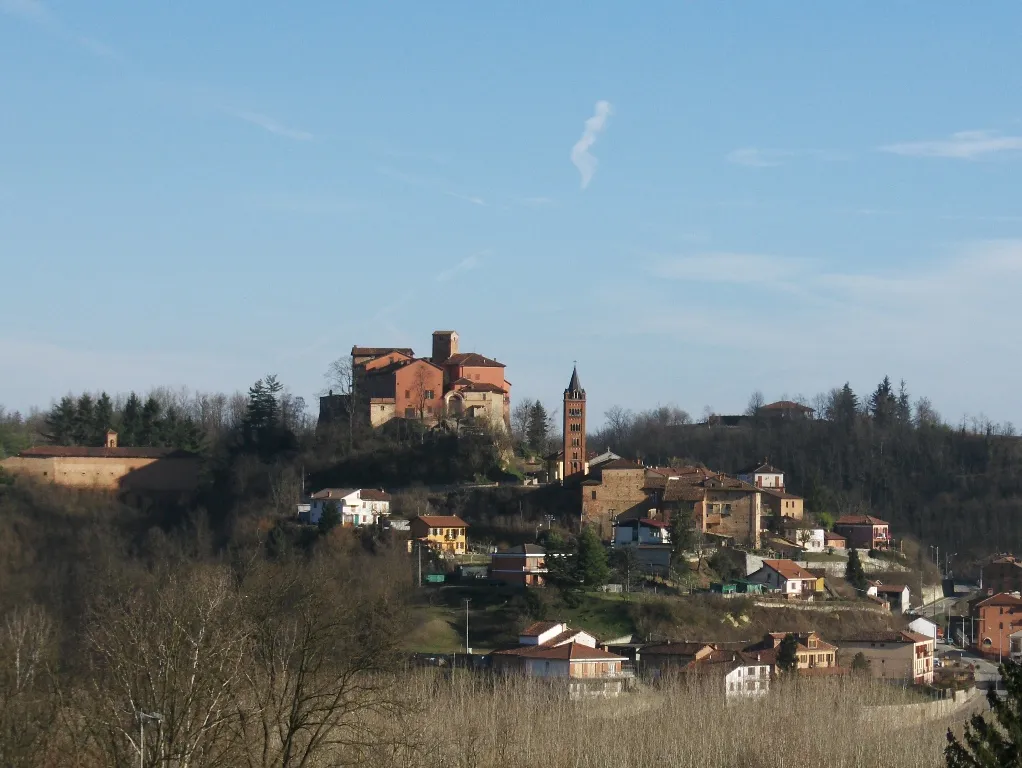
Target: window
574	454
727	510
408	393
434	531
594	495
430	394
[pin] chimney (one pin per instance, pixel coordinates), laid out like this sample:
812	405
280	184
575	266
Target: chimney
111	439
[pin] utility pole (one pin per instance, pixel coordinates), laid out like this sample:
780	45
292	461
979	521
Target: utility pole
420	562
141	733
468	649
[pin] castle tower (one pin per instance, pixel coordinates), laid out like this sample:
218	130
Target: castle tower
445	345
574	428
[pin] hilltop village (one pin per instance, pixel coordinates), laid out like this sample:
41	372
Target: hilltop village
599	568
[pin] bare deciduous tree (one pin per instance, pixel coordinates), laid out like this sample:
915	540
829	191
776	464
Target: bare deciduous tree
165	660
322	655
28	702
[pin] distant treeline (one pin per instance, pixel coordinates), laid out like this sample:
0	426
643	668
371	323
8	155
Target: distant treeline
956	487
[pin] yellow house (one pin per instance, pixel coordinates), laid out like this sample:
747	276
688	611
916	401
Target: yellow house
444	533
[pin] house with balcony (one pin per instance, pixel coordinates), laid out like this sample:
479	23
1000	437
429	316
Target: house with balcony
551	650
898	655
786	577
814	656
522	566
358	507
864	531
445	534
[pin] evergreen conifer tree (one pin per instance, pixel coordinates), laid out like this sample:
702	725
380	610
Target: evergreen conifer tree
992	742
131	421
682	531
883	405
787	654
330	517
84	423
854	573
149	423
60	423
102	419
591	568
538	428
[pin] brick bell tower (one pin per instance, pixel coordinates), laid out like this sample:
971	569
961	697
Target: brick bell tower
574	428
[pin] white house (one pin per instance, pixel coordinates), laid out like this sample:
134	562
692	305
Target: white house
896	595
748	677
807	537
553	634
1015	645
358	506
763	476
550	649
785	576
923	626
644	531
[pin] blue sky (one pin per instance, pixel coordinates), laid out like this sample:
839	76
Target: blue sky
693	200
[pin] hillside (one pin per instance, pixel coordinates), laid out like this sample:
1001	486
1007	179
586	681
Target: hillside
954	488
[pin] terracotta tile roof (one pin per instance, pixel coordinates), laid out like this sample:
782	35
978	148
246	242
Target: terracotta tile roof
830	536
83	452
788	569
890	589
333	493
569	651
619	464
442	521
684	648
480	386
889	637
522	549
760	469
374	494
779	494
786	405
379	351
860	520
1002	598
681	491
539	627
472	360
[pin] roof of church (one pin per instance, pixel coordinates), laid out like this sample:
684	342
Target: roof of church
574	385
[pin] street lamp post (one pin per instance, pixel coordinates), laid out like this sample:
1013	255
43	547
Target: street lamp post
142	716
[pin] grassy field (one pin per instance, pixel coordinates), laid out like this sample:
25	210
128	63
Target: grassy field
496	614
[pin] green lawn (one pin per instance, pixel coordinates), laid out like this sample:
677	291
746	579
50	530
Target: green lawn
497	613
823	557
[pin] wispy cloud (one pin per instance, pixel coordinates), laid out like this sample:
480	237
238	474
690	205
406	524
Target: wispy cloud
465	265
270	124
36	12
758	158
964	145
434	185
580	154
27	10
728	267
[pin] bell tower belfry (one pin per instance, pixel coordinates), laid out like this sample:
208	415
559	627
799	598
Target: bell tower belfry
574	429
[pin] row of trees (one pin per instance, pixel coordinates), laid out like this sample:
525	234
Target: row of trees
887	453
